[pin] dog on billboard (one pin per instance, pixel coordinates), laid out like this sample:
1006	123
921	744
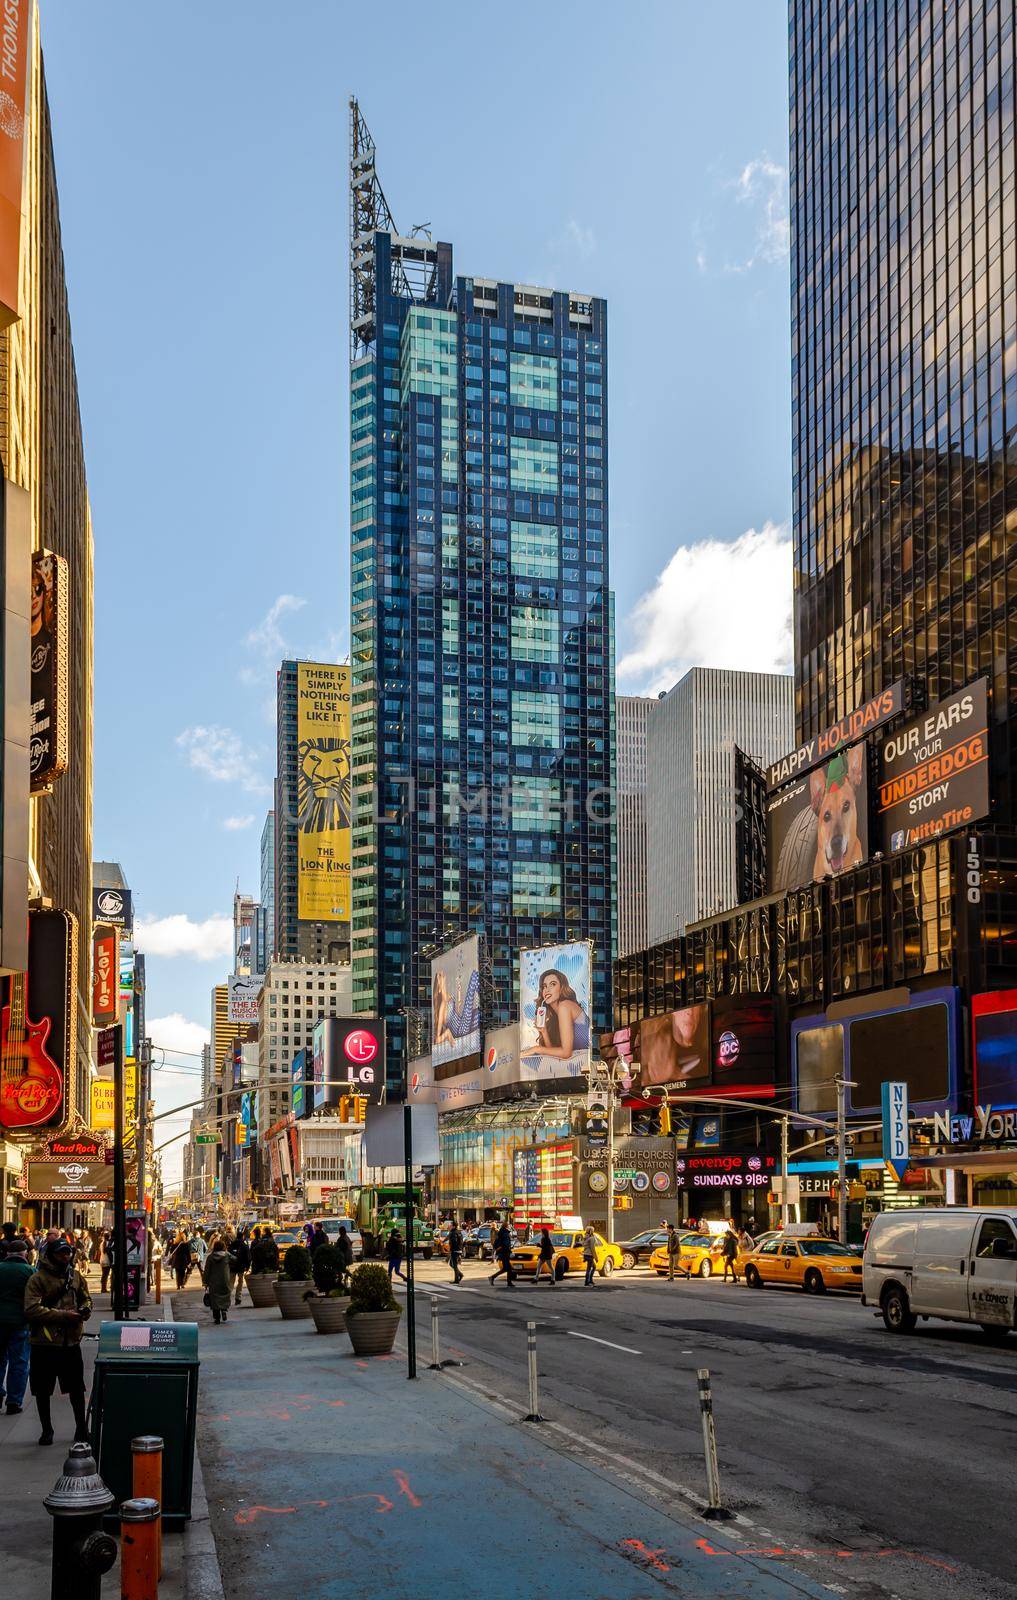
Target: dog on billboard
835	789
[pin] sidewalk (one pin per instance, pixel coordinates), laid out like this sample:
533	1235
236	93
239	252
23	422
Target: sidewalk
331	1476
28	1473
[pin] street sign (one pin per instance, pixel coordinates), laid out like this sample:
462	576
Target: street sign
206	1138
626	1172
896	1139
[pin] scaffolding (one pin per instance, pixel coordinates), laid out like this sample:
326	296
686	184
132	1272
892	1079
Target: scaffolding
414	256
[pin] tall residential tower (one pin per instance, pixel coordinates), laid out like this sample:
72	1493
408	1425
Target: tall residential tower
482	627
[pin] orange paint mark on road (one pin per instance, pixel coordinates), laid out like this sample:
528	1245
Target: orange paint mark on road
650	1558
404	1487
243	1519
773	1552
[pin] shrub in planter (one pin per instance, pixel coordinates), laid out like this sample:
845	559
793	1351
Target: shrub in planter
264	1255
327	1270
328	1305
372	1317
291	1284
264	1266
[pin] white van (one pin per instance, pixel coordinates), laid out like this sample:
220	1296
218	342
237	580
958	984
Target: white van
955	1263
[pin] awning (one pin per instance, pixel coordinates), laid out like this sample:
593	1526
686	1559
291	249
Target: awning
974	1161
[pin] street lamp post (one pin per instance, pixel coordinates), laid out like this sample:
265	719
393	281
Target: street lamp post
842	1085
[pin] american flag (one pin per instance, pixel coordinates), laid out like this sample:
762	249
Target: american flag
543	1184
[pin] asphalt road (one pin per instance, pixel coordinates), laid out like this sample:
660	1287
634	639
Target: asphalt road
877	1463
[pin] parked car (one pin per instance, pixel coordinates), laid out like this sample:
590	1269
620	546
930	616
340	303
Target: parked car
478	1245
634	1251
812	1264
958	1263
568	1256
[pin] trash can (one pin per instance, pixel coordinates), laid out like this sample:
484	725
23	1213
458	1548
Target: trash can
146	1381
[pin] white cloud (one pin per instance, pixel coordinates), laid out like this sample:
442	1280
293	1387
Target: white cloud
175	1033
237	824
177	935
267	637
222	756
761	190
716	604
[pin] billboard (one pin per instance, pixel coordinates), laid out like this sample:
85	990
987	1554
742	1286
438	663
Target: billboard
555	984
420	1085
994	1025
675	1048
455	1007
113	906
916	1044
299	1096
347	1057
242	1002
743	1045
323	792
69	1180
889	703
48	739
105	975
17	46
934	771
38	1015
818	826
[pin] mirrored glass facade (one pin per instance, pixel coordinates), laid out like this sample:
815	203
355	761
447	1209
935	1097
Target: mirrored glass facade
904	304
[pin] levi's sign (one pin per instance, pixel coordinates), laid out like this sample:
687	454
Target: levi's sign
890	703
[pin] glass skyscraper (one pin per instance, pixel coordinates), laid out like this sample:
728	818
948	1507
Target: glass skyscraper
482	622
904	298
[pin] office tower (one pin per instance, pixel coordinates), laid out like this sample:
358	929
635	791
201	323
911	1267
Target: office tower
296	995
244	909
691	736
311	817
631	712
268	883
482	626
904	281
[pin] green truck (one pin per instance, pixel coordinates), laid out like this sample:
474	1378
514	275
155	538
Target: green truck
377	1208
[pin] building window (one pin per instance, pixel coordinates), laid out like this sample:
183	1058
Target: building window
535	550
534	382
536	888
536	720
535	634
534	465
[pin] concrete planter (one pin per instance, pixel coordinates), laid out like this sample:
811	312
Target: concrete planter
372	1333
329	1313
289	1296
261	1288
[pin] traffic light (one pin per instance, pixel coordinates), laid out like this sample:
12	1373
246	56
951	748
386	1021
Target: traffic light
344	1108
359	1107
623	1202
665	1119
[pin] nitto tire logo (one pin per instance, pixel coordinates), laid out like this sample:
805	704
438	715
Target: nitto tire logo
360	1047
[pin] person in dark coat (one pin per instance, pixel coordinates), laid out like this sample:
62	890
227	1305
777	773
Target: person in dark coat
14	1275
57	1305
318	1238
217	1276
394	1251
545	1258
264	1251
503	1254
455	1252
344	1245
182	1259
242	1257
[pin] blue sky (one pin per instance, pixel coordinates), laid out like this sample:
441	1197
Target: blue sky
638	152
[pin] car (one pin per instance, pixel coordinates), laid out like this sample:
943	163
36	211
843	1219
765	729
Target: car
285	1237
701	1255
812	1264
568	1255
478	1242
641	1247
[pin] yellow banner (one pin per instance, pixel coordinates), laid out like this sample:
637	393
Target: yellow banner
323	792
102	1102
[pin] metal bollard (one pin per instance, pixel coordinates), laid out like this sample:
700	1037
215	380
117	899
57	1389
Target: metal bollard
146	1479
435	1365
139	1526
533	1415
81	1551
716	1510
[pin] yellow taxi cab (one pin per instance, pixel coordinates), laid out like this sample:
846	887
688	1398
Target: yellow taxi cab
568	1255
701	1254
812	1264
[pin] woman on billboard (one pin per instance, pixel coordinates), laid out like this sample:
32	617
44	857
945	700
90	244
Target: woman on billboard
562	1025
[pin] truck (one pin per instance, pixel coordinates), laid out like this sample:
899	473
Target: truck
377	1208
954	1262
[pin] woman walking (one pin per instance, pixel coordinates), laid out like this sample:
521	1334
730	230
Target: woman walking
182	1259
590	1255
217	1276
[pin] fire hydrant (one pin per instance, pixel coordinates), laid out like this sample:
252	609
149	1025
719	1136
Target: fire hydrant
82	1552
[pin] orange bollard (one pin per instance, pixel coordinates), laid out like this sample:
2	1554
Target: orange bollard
158	1282
146	1479
139	1527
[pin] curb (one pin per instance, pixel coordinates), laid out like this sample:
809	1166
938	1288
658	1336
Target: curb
201	1571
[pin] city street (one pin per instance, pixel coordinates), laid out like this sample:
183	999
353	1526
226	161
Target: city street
835	1437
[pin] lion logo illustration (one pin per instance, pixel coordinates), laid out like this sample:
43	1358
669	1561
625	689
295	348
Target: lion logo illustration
323	789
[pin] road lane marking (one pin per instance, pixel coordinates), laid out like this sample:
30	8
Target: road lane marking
627	1349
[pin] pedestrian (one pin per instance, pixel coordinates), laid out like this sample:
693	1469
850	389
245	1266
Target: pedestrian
308	1235
29	1243
57	1306
745	1242
673	1246
394	1251
692	1225
590	1254
8	1233
14	1275
318	1237
344	1245
503	1254
545	1258
264	1251
242	1257
455	1252
729	1247
199	1249
217	1275
181	1258
105	1260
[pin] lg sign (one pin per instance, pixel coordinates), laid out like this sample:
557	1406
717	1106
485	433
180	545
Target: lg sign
360	1047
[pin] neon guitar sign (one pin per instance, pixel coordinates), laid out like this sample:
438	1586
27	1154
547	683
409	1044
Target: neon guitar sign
31	1084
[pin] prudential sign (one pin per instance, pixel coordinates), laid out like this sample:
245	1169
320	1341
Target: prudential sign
896	1141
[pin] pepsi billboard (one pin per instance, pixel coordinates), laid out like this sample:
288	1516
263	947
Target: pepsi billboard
348	1057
